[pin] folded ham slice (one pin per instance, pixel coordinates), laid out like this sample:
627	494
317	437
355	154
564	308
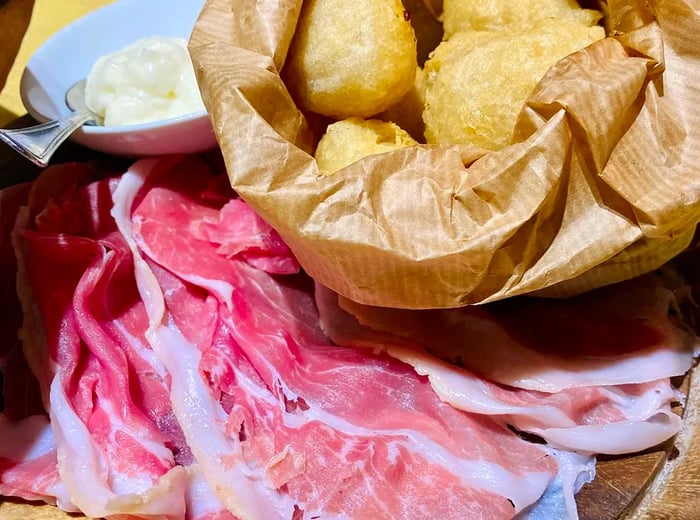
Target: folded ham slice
118	448
28	462
621	334
28	449
282	421
611	419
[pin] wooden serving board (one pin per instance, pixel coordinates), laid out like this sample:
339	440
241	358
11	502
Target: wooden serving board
659	484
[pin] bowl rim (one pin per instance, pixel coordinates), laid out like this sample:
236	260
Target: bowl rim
144	127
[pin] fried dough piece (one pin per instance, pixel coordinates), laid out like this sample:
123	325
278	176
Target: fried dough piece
495	15
351	58
477	82
352	139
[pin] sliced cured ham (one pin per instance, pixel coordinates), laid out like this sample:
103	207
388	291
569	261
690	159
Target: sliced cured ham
616	335
182	363
596	419
28	450
118	446
285	422
28	467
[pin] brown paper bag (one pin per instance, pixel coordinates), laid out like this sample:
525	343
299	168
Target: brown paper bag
606	161
14	20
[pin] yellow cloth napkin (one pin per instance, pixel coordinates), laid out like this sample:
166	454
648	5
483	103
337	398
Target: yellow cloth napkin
48	17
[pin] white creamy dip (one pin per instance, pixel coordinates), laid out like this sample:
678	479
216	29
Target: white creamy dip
150	80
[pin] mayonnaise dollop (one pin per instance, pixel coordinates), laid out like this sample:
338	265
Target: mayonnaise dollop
150	80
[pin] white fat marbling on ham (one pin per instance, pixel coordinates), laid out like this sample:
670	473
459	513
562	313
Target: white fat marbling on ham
599	419
199	414
612	336
28	462
558	502
118	447
299	406
202	503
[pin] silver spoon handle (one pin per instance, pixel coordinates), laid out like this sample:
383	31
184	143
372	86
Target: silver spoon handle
38	143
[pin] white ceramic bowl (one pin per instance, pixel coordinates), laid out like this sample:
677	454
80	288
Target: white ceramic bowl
68	56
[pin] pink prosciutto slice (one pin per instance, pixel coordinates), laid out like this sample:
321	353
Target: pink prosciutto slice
27	452
281	421
119	447
596	419
616	335
28	462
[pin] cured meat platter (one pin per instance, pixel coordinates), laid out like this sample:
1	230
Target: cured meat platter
203	328
661	483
